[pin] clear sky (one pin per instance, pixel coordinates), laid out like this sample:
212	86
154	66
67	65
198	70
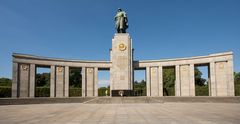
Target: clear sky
83	29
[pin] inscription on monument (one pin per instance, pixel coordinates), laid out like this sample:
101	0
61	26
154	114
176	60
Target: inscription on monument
121	62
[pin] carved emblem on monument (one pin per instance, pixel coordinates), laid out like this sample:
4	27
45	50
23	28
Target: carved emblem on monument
60	69
122	47
25	67
221	66
90	70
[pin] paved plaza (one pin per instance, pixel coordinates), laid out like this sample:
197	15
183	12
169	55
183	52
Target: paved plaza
158	113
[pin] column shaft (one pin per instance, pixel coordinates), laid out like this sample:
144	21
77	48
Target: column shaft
148	81
192	80
177	81
52	82
32	80
66	87
230	78
213	79
83	81
15	89
95	81
160	79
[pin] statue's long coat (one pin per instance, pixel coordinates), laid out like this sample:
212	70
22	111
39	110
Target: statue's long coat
121	20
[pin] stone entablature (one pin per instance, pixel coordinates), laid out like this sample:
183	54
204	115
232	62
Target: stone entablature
218	57
31	59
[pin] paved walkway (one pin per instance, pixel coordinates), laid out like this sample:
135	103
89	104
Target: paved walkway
78	113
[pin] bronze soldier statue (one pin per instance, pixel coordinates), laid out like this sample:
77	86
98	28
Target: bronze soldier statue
121	21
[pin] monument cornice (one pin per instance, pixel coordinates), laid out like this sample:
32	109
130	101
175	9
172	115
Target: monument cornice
190	58
28	56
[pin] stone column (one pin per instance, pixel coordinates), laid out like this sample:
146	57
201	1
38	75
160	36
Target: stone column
111	82
148	81
96	81
212	79
177	81
160	80
185	80
230	78
24	80
59	81
90	82
221	74
15	84
83	82
52	82
154	83
32	80
66	81
192	80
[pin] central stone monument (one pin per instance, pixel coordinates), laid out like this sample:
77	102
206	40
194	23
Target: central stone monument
121	58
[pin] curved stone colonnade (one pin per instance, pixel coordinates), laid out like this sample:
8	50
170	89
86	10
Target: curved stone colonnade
220	67
221	82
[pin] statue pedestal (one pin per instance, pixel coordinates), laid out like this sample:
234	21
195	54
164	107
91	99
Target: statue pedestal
121	72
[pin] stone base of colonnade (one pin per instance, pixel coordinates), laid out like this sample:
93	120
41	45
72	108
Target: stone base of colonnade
119	100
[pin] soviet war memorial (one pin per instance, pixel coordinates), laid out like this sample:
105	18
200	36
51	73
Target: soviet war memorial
77	62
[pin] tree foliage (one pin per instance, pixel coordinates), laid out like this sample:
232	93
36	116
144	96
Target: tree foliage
43	80
75	78
5	82
198	78
168	81
237	78
139	88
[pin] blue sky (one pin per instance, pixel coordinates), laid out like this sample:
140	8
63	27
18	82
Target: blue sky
83	29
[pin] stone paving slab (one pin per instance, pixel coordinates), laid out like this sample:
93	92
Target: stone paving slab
155	113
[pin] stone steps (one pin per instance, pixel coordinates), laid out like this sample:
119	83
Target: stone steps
118	100
135	100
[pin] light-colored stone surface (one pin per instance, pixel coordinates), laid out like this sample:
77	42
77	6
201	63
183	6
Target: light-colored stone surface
185	80
95	81
221	81
15	80
154	81
221	78
167	113
90	82
24	80
148	82
230	78
32	80
160	81
83	71
192	80
66	82
212	84
177	81
121	58
53	82
59	81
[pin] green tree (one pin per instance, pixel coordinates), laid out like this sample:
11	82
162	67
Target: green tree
75	78
237	83
168	81
5	82
198	77
43	80
140	88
